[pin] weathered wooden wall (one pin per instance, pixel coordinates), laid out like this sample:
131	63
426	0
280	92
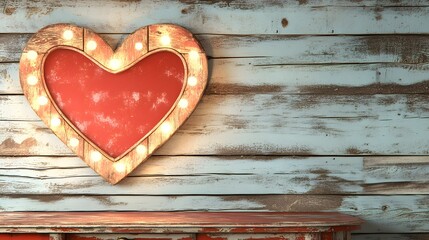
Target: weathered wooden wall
311	106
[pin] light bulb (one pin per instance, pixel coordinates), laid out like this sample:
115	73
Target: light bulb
32	80
120	167
183	103
68	34
115	63
91	45
192	81
74	142
31	55
42	100
95	156
165	40
138	46
166	127
194	55
141	149
55	122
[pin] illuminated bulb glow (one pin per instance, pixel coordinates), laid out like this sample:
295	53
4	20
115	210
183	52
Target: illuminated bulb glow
55	122
141	149
42	100
74	142
192	81
68	34
115	63
166	127
31	55
165	40
194	54
95	156
91	45
183	103
120	167
138	46
32	80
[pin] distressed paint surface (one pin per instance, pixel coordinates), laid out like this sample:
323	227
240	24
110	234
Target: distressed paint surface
142	95
265	124
397	214
266	222
199	225
24	236
336	83
378	64
269	49
192	175
290	236
223	17
130	236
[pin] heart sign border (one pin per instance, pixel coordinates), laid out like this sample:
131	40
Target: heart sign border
137	45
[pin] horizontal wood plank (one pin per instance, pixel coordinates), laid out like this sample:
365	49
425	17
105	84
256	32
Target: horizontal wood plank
224	17
416	236
261	124
393	161
216	175
257	64
125	236
246	64
382	214
282	49
176	222
370	166
25	236
238	77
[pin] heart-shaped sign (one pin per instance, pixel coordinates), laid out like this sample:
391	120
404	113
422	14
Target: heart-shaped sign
113	108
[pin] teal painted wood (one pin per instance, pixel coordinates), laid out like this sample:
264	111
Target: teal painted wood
239	77
394	214
282	49
317	64
263	124
286	78
245	18
217	176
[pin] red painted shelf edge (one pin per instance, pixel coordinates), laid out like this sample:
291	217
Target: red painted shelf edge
176	222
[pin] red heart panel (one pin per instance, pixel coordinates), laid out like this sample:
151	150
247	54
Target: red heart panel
113	109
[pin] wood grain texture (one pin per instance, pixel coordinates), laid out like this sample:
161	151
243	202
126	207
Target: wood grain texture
255	64
288	236
291	236
130	236
241	78
277	49
24	236
390	236
214	176
265	124
186	222
57	236
212	16
286	78
382	214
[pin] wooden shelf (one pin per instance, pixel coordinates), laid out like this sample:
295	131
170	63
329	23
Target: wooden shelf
175	222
